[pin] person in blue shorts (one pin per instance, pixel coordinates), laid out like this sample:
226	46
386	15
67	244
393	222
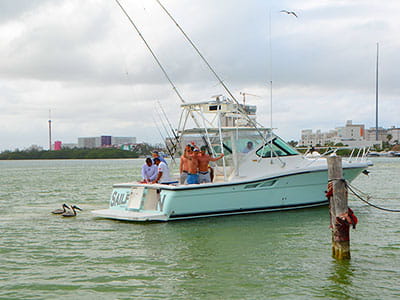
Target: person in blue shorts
193	166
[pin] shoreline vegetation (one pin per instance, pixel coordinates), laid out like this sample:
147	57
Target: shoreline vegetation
139	150
100	153
97	153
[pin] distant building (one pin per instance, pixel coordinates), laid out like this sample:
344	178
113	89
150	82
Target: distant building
127	147
122	140
69	145
353	135
308	138
390	135
104	141
57	145
395	133
351	132
89	142
382	134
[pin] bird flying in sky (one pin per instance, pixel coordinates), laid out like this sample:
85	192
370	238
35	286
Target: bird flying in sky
289	13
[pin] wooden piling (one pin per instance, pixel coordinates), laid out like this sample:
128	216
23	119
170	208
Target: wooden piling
338	208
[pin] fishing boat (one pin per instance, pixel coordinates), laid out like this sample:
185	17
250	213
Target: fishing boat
259	172
271	176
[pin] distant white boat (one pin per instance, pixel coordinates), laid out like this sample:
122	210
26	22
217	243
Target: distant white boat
385	154
272	176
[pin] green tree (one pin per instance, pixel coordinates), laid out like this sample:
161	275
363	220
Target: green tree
389	137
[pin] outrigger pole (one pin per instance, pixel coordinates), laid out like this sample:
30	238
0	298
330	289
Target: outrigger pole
159	64
240	109
151	51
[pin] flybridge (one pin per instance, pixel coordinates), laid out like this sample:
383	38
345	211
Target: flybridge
224	106
230	113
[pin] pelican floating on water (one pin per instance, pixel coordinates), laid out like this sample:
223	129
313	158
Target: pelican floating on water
71	213
62	210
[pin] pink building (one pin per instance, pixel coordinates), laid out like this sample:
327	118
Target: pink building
57	145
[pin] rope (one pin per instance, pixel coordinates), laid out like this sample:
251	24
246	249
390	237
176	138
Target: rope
368	196
369	203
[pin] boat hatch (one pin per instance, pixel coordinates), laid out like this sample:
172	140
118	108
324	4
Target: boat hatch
136	197
260	184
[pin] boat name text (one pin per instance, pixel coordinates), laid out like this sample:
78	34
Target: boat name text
119	198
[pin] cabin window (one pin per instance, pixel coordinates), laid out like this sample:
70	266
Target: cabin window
227	147
287	148
214	107
247	144
278	148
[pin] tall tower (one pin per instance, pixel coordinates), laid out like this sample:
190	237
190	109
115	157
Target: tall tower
49	130
376	92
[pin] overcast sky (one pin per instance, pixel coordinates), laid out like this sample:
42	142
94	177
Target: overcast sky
83	61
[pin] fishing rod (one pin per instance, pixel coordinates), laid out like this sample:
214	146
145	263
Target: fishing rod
164	139
172	151
163	125
170	125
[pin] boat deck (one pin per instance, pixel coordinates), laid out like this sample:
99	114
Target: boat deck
130	215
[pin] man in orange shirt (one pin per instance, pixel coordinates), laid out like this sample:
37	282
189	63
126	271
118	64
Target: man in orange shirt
183	166
204	159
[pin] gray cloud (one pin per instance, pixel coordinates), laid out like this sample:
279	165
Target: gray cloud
84	61
11	9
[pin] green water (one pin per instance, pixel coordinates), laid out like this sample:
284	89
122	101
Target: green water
283	255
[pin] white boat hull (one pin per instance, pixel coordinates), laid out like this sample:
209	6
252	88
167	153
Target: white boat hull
139	202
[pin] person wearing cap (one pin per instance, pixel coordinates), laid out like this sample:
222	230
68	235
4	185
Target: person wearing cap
193	165
163	172
155	154
204	160
183	165
149	171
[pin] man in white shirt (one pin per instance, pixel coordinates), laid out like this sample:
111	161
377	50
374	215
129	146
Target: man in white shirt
163	172
149	171
155	155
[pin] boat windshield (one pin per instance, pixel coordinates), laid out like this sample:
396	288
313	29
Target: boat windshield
278	147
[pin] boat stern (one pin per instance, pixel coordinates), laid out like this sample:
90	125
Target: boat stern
134	202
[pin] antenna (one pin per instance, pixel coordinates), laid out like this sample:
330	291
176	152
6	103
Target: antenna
247	94
49	130
270	62
376	92
271	103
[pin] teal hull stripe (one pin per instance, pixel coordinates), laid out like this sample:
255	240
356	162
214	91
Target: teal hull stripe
249	210
218	185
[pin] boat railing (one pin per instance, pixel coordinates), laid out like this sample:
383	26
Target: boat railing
356	155
361	156
220	171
